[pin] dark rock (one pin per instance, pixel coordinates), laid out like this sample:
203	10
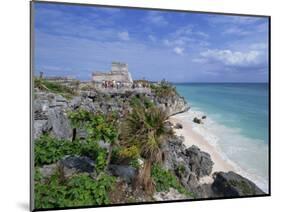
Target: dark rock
128	173
200	162
178	126
231	184
75	164
204	191
197	120
204	117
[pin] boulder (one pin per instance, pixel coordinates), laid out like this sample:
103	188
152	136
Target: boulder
178	126
197	120
200	162
75	164
48	170
40	127
204	117
61	128
128	173
174	153
231	184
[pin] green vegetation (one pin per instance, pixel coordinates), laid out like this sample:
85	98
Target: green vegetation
163	90
141	101
144	131
54	87
49	149
79	190
165	180
139	135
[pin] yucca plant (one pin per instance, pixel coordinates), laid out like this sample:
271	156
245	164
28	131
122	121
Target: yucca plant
145	128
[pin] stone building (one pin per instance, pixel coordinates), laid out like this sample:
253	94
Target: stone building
119	74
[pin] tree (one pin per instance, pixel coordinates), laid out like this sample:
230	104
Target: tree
145	128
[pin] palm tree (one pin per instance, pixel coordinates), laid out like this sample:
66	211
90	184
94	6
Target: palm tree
145	128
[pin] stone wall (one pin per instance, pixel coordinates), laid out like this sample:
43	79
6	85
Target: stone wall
119	73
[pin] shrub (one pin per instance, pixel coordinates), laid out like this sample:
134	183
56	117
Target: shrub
49	149
165	180
163	90
80	190
141	101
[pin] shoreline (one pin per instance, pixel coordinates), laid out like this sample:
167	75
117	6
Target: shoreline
192	137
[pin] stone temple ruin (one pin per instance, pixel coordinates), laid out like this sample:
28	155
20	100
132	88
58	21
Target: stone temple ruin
119	74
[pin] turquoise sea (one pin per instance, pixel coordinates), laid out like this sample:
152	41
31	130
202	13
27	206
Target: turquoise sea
239	119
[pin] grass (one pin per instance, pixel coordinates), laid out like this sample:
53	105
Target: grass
54	87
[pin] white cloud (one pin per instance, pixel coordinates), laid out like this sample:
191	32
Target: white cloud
178	50
124	35
232	58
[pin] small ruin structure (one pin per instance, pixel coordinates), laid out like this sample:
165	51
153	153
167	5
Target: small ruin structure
119	75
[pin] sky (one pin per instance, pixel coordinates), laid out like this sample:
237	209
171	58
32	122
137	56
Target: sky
76	40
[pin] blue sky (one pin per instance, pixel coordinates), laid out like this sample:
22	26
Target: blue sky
75	40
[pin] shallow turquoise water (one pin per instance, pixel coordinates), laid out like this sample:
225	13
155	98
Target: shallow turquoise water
238	105
240	114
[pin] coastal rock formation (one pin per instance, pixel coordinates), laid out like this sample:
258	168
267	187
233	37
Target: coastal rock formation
197	120
231	184
172	104
50	110
189	164
200	162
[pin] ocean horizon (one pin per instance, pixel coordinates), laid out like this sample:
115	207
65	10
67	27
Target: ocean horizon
237	123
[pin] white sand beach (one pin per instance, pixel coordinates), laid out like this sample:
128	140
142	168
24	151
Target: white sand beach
192	137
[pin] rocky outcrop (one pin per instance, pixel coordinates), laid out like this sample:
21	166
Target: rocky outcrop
50	110
200	162
50	115
172	104
231	184
189	164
